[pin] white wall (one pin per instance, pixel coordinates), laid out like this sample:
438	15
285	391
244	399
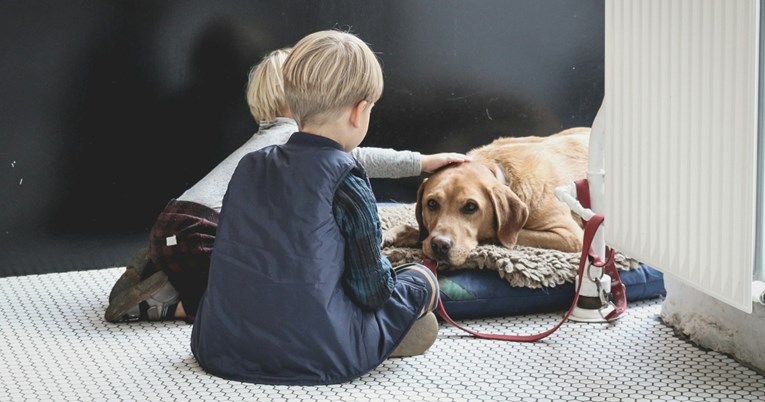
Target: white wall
715	325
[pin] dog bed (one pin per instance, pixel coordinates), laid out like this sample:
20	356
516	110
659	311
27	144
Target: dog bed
497	281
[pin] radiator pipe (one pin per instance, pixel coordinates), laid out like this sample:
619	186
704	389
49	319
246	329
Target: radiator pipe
596	177
590	308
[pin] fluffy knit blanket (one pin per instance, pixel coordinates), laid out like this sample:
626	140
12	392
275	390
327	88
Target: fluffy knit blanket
520	266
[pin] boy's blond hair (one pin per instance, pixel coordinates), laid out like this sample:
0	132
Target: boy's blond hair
265	87
328	71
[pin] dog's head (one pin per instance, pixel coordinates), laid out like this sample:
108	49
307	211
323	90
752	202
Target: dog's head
466	204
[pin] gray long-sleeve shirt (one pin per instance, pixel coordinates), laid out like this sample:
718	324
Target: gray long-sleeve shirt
378	162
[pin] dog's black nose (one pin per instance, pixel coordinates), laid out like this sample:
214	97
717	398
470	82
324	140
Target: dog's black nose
440	246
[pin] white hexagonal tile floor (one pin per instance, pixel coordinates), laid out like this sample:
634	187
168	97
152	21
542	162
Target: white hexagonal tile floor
54	345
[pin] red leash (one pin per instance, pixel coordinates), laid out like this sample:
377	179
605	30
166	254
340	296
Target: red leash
618	291
617	288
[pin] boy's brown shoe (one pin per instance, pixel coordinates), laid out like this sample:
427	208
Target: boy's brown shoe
124	304
420	337
132	274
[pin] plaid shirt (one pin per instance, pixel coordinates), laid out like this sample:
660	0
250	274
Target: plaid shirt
369	277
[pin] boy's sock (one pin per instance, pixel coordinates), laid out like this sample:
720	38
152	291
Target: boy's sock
156	312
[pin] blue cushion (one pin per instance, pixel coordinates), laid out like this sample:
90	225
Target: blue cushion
474	293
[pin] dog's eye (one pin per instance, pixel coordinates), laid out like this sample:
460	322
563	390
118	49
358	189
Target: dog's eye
470	207
432	205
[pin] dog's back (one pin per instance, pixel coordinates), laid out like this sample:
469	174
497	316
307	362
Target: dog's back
555	160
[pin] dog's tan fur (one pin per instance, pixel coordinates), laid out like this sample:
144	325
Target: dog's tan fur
504	195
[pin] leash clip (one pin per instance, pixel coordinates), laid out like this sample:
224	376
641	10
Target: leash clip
597	280
606	305
606	310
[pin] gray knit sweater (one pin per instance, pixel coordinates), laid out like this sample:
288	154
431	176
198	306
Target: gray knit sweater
379	162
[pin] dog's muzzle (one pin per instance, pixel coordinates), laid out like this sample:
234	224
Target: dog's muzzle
440	246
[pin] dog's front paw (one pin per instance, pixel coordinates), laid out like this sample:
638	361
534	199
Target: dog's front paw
401	236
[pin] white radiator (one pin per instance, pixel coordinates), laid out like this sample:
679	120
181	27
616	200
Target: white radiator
680	121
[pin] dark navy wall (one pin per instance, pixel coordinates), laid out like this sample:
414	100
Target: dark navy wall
110	108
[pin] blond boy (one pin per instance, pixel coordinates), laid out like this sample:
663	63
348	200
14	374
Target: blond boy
298	291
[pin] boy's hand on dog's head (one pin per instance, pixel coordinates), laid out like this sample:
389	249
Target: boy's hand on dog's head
431	163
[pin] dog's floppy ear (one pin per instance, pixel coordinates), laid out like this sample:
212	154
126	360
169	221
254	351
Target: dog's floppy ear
511	214
418	211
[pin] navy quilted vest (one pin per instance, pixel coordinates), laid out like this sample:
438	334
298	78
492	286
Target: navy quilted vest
275	311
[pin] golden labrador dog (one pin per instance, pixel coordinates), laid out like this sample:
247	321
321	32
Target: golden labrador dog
504	195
